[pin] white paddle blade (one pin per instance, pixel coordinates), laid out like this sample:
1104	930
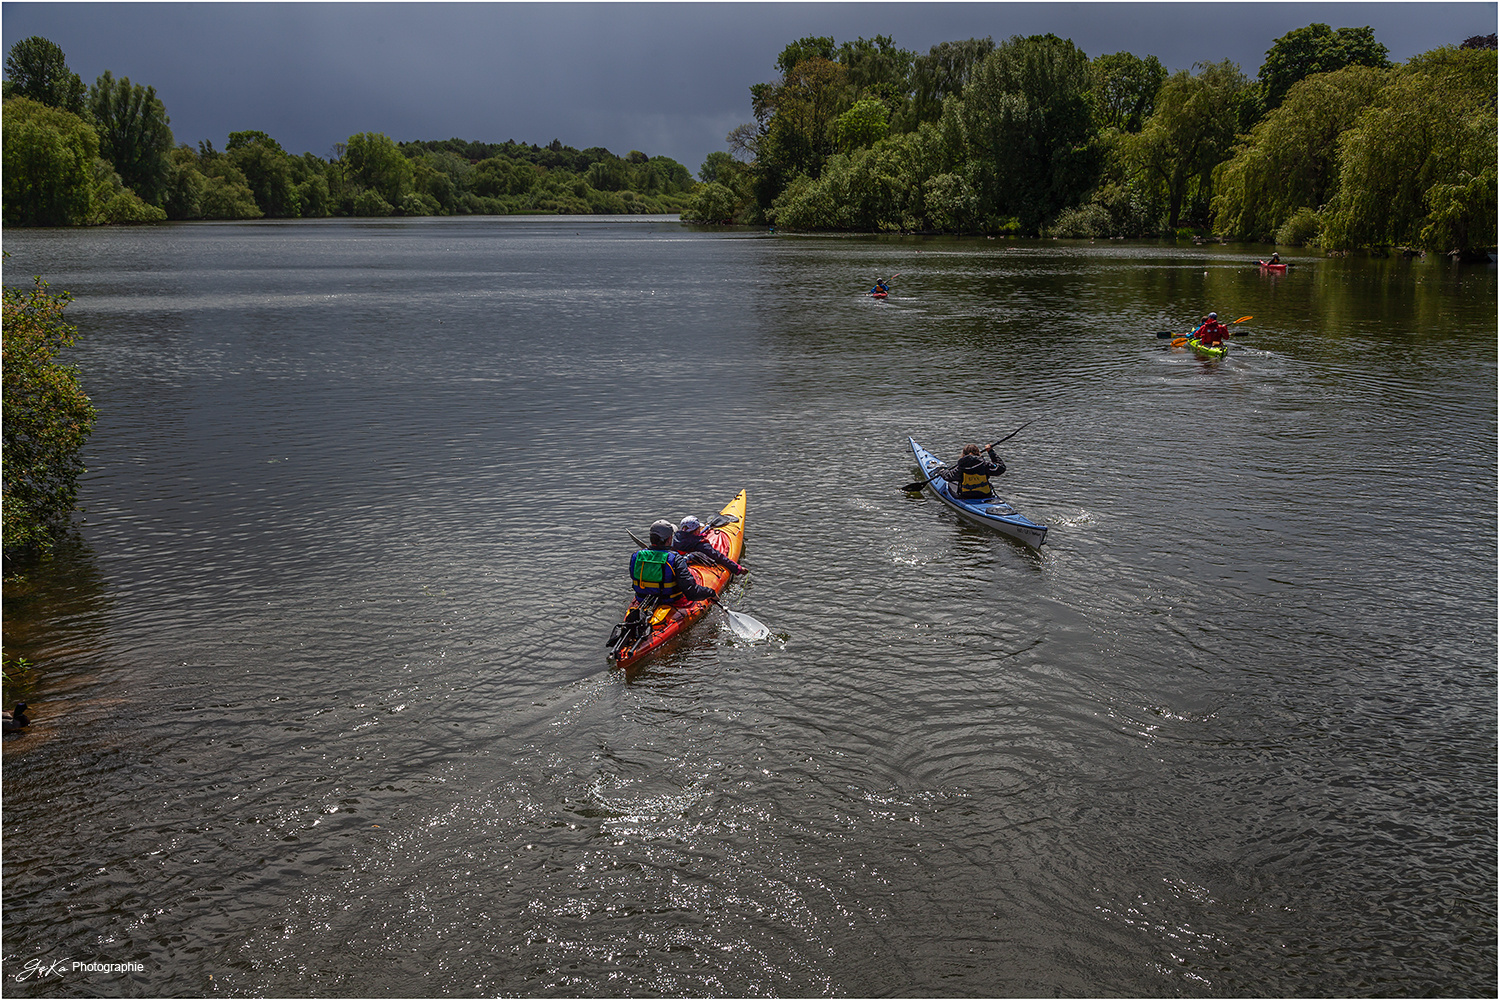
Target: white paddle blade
746	627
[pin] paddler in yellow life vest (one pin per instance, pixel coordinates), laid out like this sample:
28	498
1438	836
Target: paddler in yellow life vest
659	572
971	476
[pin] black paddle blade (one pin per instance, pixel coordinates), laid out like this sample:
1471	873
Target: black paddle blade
1165	333
915	488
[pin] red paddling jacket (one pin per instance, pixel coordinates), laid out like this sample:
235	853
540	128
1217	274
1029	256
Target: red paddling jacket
1212	332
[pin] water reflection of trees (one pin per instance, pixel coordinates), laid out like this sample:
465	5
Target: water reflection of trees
55	615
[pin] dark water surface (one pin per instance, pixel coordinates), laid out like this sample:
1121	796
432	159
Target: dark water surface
322	701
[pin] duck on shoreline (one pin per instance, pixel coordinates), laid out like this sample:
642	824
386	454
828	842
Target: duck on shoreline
14	722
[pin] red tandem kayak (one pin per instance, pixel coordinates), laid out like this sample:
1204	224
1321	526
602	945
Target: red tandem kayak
647	628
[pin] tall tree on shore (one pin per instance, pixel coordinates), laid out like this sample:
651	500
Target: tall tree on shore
37	69
377	167
1191	131
942	73
795	118
267	170
1027	125
877	69
1290	160
1316	48
1124	88
134	134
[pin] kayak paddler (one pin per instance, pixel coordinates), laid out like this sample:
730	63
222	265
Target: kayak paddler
971	476
1211	334
692	537
880	286
661	573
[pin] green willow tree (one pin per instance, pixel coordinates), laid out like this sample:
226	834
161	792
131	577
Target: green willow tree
47	418
1418	167
207	185
878	71
380	174
1191	132
267	170
49	157
944	72
1289	163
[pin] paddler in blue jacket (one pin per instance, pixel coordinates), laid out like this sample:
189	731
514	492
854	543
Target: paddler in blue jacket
971	476
660	572
692	537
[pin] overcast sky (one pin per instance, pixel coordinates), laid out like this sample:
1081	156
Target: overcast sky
669	79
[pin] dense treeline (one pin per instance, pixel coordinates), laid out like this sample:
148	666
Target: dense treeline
106	154
1329	145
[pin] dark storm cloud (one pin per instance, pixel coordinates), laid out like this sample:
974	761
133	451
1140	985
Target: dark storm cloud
667	79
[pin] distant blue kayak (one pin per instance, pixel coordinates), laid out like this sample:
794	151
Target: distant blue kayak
991	511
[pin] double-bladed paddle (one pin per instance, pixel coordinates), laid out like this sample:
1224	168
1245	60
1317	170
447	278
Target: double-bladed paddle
1164	334
912	488
1178	340
746	627
885	282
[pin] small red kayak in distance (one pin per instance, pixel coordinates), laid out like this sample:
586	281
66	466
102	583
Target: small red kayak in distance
1268	266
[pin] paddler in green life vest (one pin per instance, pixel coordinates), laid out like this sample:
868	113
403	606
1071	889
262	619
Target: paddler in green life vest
660	573
971	476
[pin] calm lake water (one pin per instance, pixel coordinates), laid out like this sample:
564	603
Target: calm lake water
322	703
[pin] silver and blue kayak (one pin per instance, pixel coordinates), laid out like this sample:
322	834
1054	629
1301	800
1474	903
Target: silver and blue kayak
991	511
